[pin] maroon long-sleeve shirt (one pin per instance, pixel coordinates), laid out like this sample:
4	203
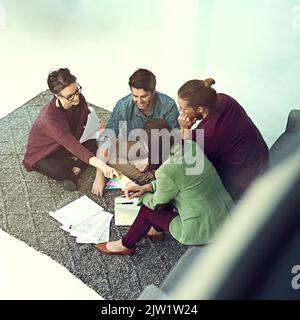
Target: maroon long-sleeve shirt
54	128
234	145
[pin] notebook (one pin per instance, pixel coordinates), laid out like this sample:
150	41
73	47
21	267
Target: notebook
125	211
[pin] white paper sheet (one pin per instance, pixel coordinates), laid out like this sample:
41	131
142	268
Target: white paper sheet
91	130
93	228
103	238
77	211
84	219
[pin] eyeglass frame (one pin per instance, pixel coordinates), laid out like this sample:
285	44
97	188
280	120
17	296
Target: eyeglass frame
77	93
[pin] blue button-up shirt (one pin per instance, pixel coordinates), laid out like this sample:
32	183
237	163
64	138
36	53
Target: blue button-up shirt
163	107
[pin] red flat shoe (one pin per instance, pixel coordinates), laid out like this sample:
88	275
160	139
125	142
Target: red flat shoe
102	248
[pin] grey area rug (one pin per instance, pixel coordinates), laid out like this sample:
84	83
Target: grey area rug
27	197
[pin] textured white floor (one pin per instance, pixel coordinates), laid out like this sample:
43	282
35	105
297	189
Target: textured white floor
28	274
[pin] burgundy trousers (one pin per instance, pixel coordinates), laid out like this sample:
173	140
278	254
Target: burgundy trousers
146	219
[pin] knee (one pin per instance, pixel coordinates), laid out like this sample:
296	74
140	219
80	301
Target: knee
145	211
57	173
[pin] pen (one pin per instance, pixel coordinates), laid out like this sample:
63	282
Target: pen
126	202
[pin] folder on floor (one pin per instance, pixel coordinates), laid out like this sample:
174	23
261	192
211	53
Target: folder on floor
125	211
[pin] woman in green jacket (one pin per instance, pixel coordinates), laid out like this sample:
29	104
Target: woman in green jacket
187	199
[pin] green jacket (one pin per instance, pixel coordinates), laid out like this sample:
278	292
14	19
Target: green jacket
200	198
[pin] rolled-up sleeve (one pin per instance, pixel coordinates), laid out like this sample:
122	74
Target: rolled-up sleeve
165	192
69	142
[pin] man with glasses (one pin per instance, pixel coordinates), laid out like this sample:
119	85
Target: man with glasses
72	97
53	146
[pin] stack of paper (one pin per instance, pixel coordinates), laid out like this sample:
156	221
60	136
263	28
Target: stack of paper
84	219
117	183
125	211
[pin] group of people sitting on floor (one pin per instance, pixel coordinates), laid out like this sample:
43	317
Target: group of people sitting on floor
198	160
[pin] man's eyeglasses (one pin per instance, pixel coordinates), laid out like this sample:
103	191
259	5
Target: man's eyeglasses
76	93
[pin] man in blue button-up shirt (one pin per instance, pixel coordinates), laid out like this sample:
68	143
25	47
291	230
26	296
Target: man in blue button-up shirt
136	109
142	104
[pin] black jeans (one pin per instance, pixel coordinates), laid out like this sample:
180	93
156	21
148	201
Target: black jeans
58	165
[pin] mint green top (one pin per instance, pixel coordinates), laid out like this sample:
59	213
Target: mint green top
199	196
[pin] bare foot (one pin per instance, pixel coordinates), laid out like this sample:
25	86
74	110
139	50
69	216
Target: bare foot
76	170
153	232
115	246
142	165
98	185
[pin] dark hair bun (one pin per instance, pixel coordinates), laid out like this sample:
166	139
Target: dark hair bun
209	82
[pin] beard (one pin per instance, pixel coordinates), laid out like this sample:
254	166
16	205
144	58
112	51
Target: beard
198	116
